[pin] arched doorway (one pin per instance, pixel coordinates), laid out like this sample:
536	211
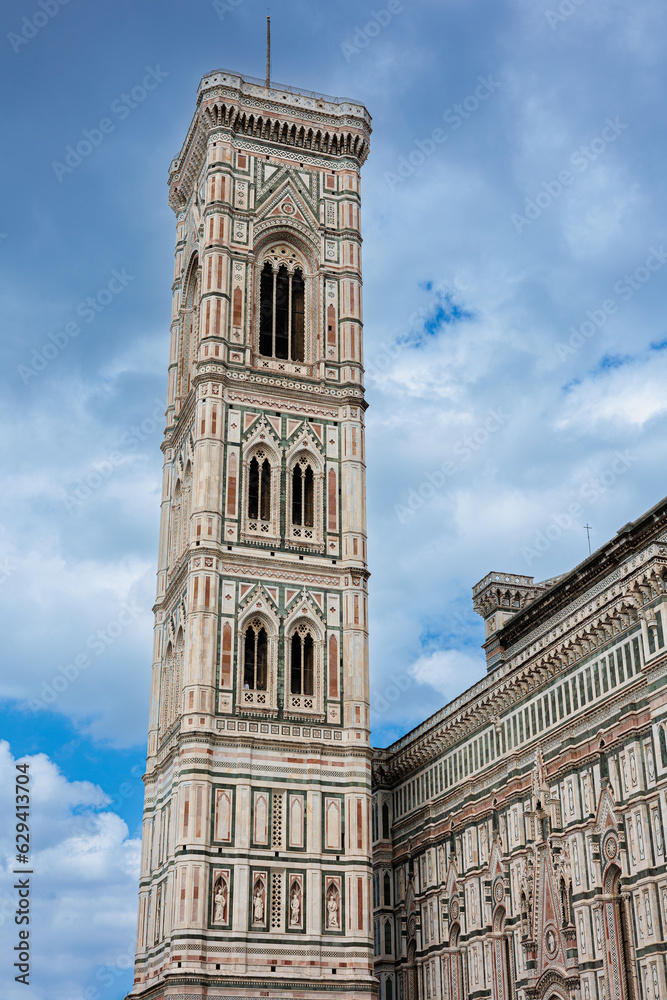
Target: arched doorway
617	939
503	966
457	988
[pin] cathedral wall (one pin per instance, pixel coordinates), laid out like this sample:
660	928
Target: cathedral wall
523	850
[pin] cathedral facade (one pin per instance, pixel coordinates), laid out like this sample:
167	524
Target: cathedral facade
256	855
519	833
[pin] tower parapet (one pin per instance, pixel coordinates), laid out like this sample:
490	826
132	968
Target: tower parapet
497	598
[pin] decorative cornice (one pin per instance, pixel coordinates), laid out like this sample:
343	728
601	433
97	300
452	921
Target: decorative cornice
566	631
304	127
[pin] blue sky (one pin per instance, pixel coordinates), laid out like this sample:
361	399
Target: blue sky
514	286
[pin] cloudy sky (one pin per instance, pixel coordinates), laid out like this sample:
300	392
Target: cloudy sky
515	257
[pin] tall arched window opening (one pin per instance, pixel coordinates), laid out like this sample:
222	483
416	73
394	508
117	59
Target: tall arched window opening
388	949
167	688
256	657
281	313
259	489
385	821
303	491
189	329
302	654
618	936
176	525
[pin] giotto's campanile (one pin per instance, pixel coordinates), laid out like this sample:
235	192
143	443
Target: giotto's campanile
256	877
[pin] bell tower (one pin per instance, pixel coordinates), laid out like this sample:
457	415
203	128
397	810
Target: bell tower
255	872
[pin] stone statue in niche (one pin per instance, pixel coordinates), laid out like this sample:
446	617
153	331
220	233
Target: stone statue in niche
158	914
550	941
503	830
295	906
333	908
587	797
220	902
485	842
258	903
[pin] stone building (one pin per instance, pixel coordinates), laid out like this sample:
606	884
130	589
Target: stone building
256	856
519	833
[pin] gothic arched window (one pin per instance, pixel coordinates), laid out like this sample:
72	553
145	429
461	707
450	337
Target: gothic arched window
302	660
385	821
259	488
166	694
176	524
189	336
387	938
187	507
303	492
282	312
256	657
386	889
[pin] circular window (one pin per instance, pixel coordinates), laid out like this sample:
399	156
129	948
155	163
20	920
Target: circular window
610	848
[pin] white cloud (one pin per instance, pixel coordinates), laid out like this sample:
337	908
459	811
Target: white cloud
449	671
88	641
83	890
632	394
